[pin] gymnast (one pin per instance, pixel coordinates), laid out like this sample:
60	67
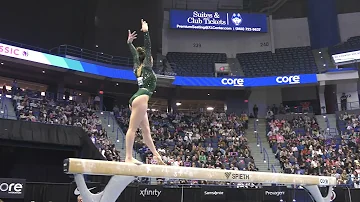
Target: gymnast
146	79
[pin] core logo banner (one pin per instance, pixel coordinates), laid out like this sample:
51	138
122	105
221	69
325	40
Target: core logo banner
246	82
12	188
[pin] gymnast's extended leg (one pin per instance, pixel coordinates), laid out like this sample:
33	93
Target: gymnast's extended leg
145	129
138	111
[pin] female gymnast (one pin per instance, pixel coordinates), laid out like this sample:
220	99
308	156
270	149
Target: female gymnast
146	79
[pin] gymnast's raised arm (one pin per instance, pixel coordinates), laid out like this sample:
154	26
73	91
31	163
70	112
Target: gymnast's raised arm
147	43
134	53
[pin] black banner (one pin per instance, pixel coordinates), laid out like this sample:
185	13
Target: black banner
275	193
338	195
12	188
209	193
149	193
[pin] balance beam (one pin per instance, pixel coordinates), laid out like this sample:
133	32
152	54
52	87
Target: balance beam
124	173
95	167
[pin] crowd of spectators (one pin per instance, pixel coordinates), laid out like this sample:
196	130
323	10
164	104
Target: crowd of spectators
32	106
303	148
193	139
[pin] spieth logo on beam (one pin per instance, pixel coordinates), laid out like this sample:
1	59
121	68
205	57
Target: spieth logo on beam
235	176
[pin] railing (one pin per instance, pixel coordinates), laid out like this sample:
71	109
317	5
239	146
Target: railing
110	120
266	156
5	112
273	169
327	122
348	106
123	137
17	44
93	55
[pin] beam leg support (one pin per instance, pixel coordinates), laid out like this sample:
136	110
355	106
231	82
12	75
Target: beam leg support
112	191
315	193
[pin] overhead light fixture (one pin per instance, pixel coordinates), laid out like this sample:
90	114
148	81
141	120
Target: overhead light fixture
210	108
178	103
117	84
208	94
80	81
96	46
2	63
43	71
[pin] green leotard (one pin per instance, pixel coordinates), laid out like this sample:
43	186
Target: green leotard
147	79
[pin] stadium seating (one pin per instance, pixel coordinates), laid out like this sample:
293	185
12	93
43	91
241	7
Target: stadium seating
352	44
210	140
303	148
284	61
31	106
195	64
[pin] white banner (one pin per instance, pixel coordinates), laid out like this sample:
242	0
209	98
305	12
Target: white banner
222	67
346	57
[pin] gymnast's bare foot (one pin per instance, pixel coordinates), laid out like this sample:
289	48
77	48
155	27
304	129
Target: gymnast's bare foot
134	161
159	160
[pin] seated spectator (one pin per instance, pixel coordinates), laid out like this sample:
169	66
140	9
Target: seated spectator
302	149
206	140
31	106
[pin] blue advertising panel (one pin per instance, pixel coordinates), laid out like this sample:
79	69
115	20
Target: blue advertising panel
245	82
127	73
212	20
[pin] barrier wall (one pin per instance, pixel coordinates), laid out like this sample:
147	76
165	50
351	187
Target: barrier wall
66	192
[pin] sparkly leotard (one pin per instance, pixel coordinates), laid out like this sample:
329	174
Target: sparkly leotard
147	78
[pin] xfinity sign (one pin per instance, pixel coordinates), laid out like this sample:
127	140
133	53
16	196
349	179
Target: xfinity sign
288	79
12	188
236	82
148	192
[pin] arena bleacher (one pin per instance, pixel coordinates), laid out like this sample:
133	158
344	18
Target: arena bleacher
285	61
205	140
195	64
352	44
32	106
303	148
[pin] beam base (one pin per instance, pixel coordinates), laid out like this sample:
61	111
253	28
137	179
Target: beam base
112	191
315	193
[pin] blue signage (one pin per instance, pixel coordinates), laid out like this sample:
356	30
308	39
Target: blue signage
212	20
245	82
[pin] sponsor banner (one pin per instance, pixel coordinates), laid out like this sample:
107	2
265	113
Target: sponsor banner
12	188
346	57
275	193
222	67
56	61
65	63
213	20
93	187
152	193
246	82
338	195
209	193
